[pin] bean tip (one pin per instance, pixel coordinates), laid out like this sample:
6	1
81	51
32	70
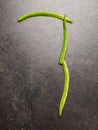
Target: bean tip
60	113
19	20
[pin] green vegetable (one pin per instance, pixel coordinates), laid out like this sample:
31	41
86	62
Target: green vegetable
65	90
65	68
65	42
43	13
63	51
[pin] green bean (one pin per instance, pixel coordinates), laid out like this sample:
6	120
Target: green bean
65	90
63	51
65	68
65	42
43	13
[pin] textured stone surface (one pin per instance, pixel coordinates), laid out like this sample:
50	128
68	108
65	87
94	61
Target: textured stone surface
31	80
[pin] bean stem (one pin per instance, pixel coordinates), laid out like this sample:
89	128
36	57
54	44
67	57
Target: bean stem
44	13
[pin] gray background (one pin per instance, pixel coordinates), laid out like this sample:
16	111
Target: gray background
31	80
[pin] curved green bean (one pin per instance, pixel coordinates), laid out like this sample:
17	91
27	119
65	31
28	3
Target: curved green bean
65	68
44	13
65	90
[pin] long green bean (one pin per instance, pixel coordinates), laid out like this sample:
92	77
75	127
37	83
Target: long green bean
44	13
65	68
63	51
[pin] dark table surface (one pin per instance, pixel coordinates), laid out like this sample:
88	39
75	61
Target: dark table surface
31	80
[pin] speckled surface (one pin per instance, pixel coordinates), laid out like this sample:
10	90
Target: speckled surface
31	80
